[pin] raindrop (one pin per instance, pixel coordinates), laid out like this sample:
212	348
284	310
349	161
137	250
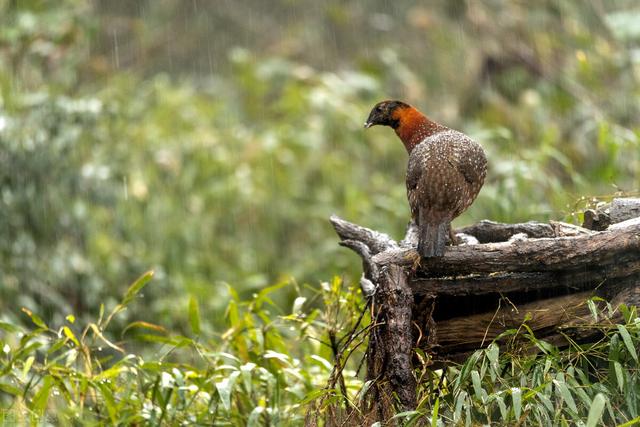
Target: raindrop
116	51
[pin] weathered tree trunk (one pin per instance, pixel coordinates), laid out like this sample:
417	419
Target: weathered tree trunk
507	275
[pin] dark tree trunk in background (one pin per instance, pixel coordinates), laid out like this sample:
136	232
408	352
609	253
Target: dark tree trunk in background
541	274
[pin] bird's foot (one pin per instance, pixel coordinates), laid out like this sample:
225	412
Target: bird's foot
453	238
415	259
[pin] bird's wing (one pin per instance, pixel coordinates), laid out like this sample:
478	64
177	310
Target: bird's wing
427	177
473	164
414	172
433	166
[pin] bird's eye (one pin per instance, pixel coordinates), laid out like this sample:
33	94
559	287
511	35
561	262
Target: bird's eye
379	109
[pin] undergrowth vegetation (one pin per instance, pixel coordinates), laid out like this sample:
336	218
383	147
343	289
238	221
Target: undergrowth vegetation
272	368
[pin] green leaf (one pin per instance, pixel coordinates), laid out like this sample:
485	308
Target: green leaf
194	315
69	334
628	342
545	401
254	417
457	413
136	287
225	387
9	327
503	408
246	375
477	387
284	358
39	402
595	412
493	352
27	366
434	413
35	318
563	390
109	401
516	397
10	389
617	367
143	325
110	373
633	422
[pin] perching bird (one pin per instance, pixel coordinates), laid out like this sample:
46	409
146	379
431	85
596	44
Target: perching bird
445	172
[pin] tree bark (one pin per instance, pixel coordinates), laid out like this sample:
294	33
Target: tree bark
390	346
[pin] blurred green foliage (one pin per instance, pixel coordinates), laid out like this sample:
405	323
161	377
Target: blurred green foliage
114	161
210	141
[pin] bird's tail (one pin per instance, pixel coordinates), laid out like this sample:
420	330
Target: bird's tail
432	239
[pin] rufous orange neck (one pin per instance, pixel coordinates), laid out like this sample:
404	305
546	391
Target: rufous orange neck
413	127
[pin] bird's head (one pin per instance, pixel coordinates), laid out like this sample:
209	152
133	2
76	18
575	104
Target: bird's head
386	113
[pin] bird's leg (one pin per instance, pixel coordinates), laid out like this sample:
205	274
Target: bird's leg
416	258
452	236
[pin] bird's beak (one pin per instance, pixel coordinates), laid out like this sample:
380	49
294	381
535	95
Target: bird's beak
367	125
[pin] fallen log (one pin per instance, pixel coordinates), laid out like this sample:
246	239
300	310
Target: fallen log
541	274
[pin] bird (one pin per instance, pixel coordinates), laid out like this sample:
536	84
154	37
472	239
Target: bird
445	171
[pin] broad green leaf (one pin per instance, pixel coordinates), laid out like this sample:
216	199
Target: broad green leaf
324	362
9	327
516	397
136	286
617	367
39	402
225	387
110	373
545	401
563	391
595	412
254	417
457	413
246	375
284	358
628	342
493	352
434	413
10	389
27	366
503	408
477	387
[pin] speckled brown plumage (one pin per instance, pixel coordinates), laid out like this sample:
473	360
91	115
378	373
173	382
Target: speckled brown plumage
445	172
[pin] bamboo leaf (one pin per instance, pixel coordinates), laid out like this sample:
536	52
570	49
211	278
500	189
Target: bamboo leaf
595	412
628	342
225	387
434	413
136	287
69	334
565	394
516	397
